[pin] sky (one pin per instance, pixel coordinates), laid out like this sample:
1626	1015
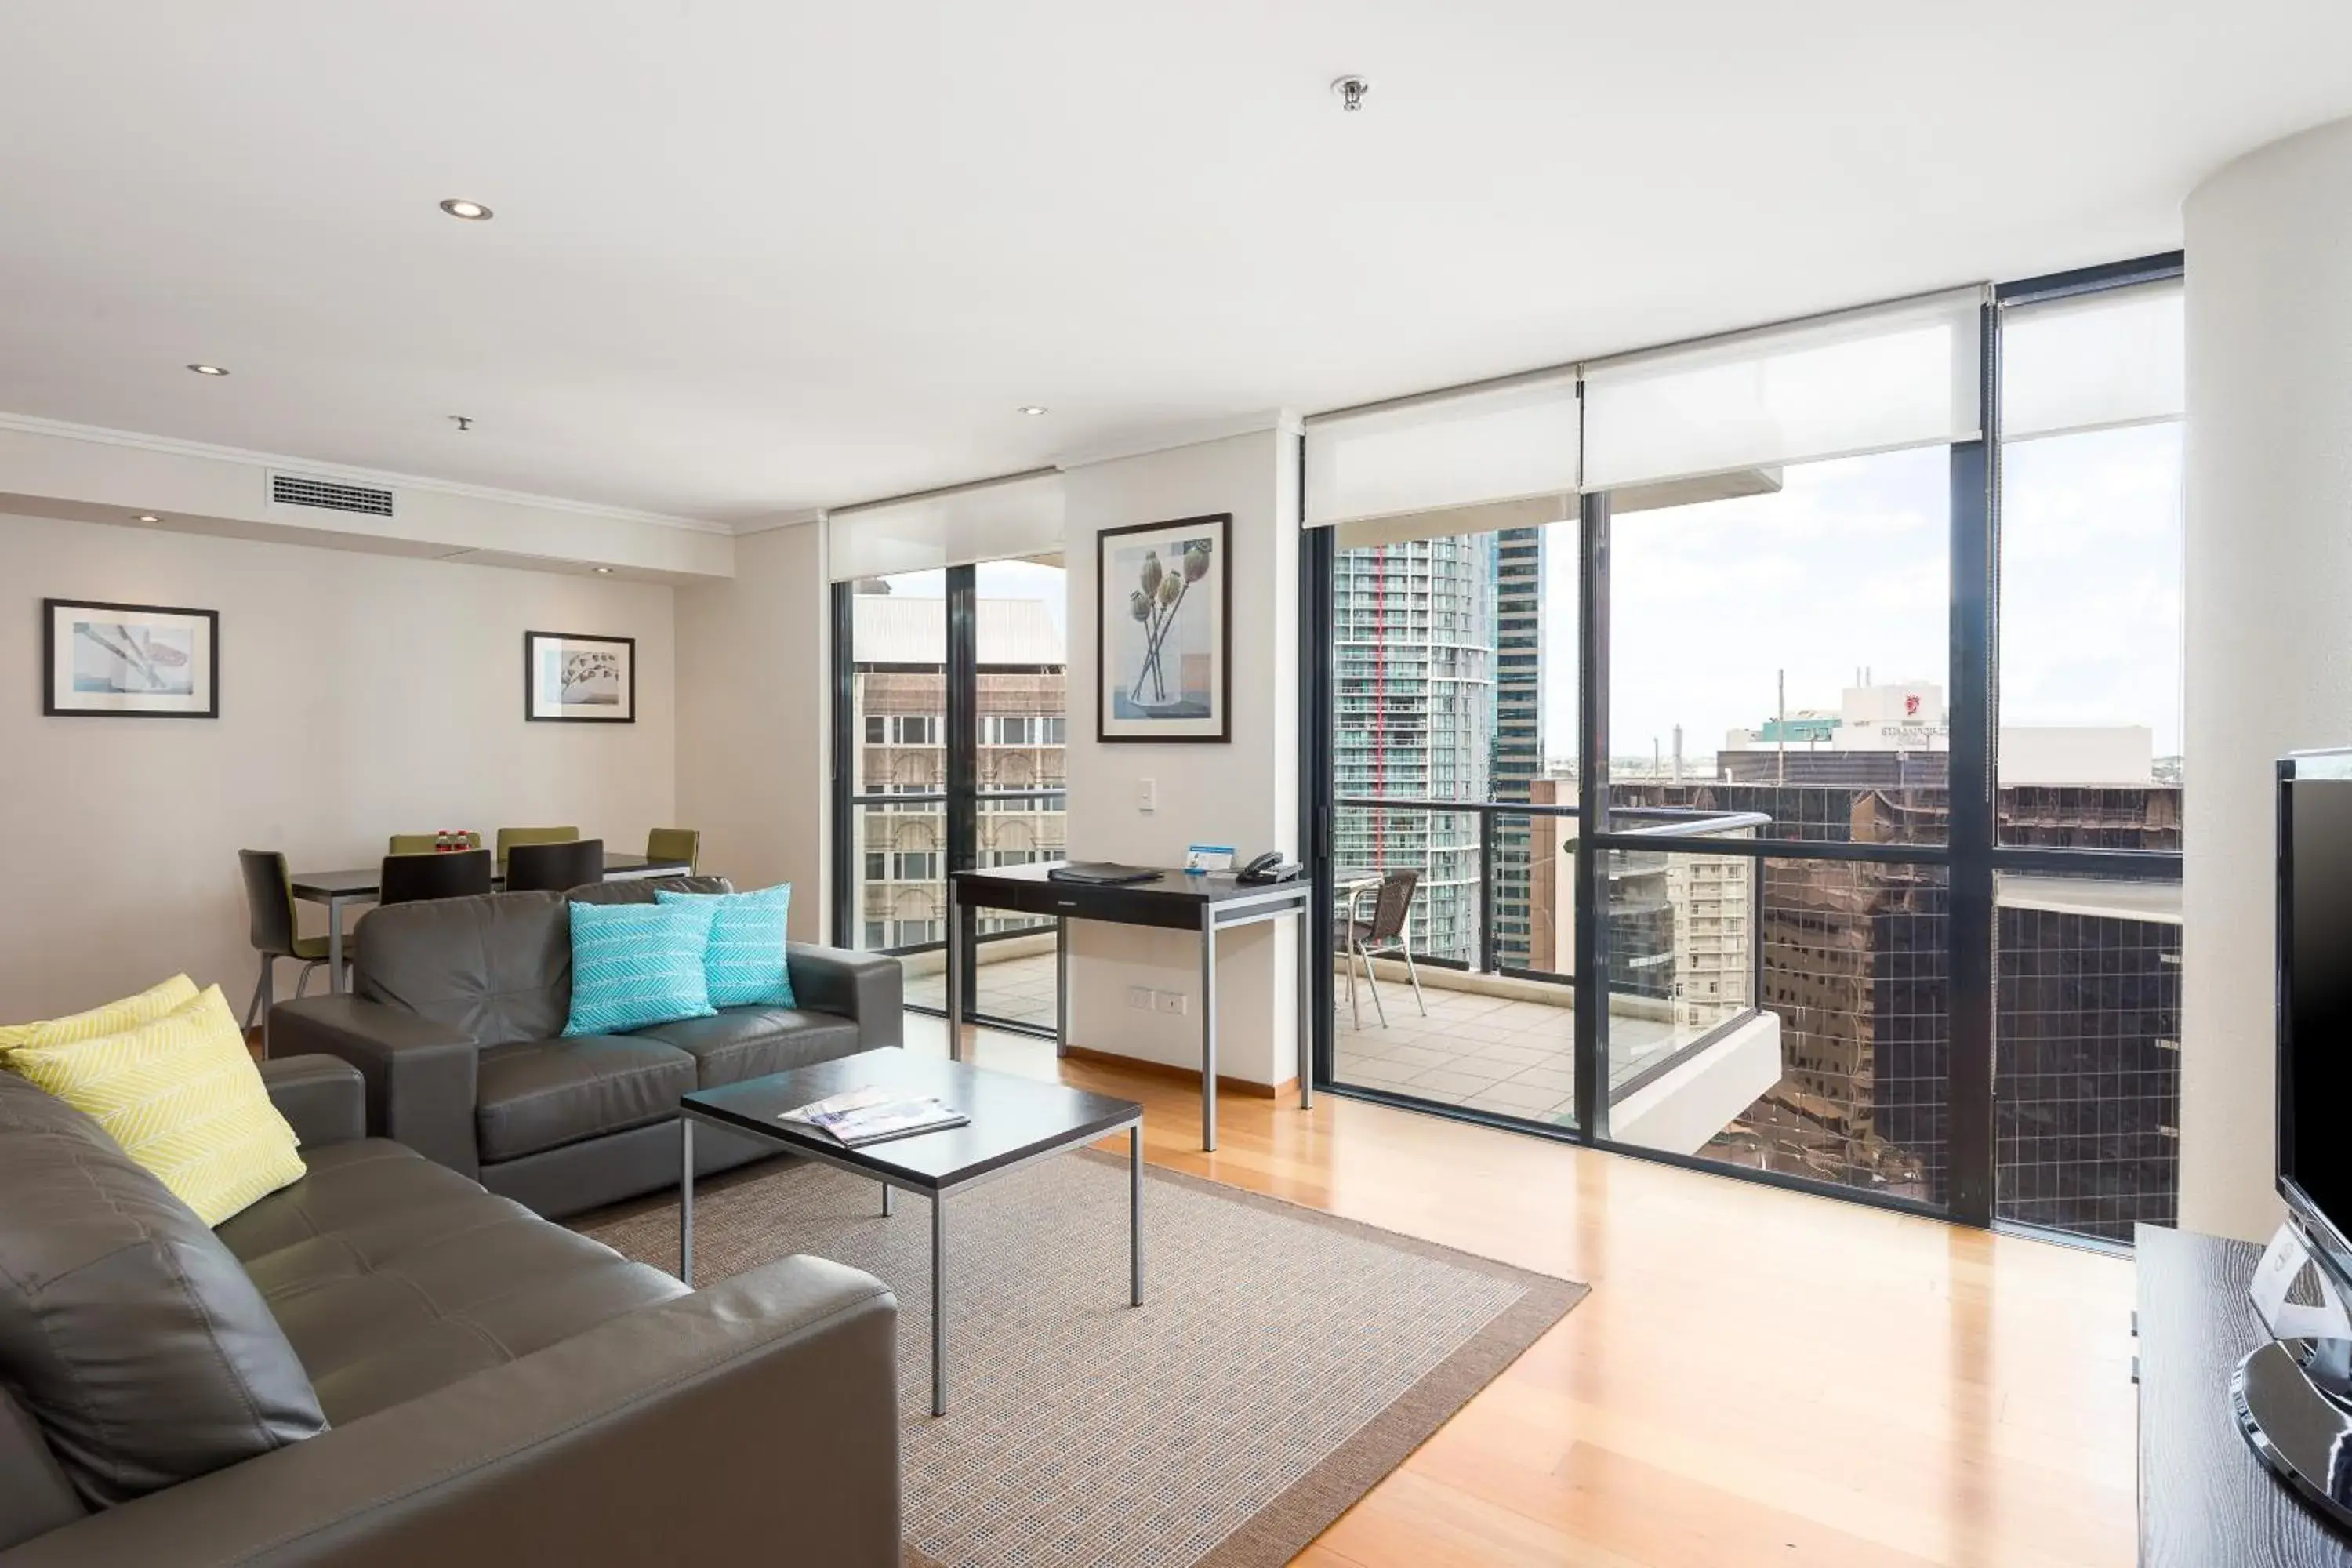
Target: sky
1847	566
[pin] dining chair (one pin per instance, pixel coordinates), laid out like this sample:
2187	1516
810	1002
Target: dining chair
555	867
451	874
427	843
1385	933
511	837
676	844
269	913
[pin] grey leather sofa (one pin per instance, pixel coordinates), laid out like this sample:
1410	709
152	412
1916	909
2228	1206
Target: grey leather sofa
455	1018
384	1364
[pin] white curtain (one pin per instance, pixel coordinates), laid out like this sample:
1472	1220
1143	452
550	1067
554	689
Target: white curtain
2094	361
1495	443
996	520
1871	380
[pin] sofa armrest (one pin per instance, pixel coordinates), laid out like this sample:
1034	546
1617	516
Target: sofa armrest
322	1097
419	1074
865	986
757	1421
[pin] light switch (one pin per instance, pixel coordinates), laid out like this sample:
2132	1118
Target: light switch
1147	795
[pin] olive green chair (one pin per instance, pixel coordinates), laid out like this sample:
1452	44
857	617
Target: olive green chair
511	837
426	843
676	844
270	910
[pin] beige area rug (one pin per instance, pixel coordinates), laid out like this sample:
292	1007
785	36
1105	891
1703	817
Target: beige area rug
1282	1362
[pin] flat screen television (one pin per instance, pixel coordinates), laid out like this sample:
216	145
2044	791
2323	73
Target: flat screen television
2315	1002
2293	1398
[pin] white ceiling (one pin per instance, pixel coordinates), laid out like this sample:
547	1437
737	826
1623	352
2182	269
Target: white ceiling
756	256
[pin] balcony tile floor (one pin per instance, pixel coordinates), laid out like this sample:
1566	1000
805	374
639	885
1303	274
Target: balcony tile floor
1500	1053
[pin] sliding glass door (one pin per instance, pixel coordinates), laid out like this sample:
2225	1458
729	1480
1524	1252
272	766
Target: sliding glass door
1779	735
950	718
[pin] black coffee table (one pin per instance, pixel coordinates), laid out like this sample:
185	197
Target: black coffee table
1014	1122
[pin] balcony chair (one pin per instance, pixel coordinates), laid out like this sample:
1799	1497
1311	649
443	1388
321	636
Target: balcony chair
1384	933
555	867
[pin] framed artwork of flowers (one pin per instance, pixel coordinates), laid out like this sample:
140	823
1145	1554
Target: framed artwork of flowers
1163	636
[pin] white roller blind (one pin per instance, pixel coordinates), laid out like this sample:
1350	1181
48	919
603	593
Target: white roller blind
996	521
2094	361
1438	453
1871	380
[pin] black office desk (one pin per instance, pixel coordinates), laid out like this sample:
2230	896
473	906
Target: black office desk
1174	901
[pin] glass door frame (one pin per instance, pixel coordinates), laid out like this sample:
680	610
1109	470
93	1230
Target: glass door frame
1971	858
961	795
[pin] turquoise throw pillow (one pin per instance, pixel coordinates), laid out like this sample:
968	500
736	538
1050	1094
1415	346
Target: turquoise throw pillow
634	965
745	960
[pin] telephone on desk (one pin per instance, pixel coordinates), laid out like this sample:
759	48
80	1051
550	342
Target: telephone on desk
1269	866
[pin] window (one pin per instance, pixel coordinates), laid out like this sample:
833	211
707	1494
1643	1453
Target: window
2086	1052
896	689
1785	647
1798	535
914	803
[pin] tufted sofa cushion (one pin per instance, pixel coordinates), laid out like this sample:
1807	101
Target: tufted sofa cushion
392	1276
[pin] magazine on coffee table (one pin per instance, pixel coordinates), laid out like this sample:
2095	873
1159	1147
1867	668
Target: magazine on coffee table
863	1116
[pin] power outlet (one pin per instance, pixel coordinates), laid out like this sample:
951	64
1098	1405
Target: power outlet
1140	997
1172	1002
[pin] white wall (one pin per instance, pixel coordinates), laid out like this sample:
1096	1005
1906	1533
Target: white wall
754	768
360	695
2269	617
1244	794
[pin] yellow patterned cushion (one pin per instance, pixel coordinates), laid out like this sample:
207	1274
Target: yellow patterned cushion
114	1017
183	1098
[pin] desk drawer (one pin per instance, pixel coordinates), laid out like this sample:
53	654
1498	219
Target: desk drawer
1133	906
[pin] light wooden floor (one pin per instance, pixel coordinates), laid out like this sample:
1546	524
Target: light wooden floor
1757	1377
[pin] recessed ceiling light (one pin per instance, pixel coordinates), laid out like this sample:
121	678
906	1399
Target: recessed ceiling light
146	516
1032	409
472	212
207	370
604	571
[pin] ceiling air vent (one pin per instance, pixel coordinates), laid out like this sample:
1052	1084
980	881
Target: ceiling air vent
329	495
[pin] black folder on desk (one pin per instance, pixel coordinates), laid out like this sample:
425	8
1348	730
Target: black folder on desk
1101	873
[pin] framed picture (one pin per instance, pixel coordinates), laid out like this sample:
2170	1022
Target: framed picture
574	680
131	661
1163	638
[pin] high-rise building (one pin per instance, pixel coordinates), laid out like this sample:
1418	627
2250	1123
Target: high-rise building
1414	671
898	692
1518	753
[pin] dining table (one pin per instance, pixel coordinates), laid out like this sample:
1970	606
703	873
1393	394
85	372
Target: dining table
362	884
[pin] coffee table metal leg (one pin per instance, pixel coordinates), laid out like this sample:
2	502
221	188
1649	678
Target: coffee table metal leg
885	1200
686	1202
939	1304
1135	1216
